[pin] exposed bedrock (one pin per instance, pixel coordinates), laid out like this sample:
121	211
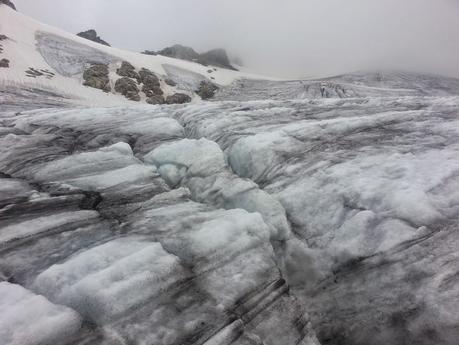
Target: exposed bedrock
206	90
8	3
92	36
96	76
150	84
127	70
5	63
178	98
128	88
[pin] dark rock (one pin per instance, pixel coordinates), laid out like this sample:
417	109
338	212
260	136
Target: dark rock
5	63
156	90
34	73
92	36
150	81
155	99
178	98
207	89
8	3
127	70
3	37
133	96
149	52
96	76
216	57
180	52
147	77
128	88
170	82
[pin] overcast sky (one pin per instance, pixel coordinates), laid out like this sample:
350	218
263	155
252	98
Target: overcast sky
288	38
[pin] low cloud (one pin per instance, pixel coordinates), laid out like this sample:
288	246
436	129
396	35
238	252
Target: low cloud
292	38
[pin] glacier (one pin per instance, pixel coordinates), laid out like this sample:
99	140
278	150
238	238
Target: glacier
281	212
304	221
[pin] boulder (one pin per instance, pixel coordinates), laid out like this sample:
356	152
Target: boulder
127	70
147	77
8	3
150	81
206	89
128	88
96	76
155	91
155	99
178	98
92	36
5	63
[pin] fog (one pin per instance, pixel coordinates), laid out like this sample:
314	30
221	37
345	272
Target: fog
289	38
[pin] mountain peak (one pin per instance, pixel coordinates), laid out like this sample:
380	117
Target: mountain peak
215	57
91	35
8	3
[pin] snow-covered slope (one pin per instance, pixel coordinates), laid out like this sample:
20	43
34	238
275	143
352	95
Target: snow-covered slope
62	56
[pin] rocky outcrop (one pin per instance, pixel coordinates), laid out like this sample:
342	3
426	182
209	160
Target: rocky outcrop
178	51
178	98
127	70
206	89
150	81
8	3
92	36
215	57
155	99
96	76
5	63
128	88
149	52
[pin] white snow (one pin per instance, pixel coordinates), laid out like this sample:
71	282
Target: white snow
29	319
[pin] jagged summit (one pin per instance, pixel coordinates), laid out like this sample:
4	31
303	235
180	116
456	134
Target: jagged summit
179	51
215	57
92	36
8	3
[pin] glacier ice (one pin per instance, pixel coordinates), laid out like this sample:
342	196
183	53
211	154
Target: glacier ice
265	219
30	319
